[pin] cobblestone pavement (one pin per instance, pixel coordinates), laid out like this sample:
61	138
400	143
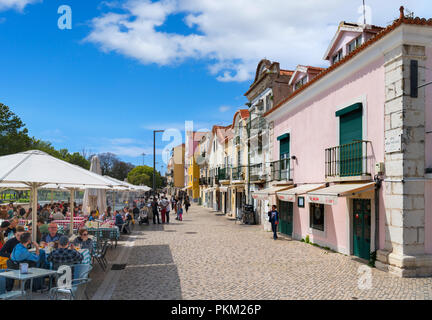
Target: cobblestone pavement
208	256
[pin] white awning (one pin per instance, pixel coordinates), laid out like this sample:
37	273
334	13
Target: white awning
265	193
223	189
290	195
331	194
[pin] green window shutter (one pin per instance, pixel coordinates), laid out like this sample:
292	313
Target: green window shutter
352	108
283	137
284	147
351	127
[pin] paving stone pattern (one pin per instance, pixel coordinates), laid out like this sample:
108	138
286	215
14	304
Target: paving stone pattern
224	260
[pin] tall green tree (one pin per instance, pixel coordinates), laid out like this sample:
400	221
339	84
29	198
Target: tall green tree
143	175
13	134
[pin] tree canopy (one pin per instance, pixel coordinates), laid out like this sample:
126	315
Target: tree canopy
112	166
143	175
14	138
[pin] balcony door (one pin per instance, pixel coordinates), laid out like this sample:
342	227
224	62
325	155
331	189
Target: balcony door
350	132
284	146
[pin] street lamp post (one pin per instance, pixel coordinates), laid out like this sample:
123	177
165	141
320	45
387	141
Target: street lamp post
154	158
143	154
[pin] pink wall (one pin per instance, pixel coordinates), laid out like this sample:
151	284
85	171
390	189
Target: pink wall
334	218
428	189
313	127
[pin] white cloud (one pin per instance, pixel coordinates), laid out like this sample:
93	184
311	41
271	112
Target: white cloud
232	36
16	4
224	109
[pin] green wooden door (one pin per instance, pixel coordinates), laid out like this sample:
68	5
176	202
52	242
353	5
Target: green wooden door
350	131
286	217
284	156
361	228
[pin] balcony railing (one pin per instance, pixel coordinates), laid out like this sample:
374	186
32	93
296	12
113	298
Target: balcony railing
224	173
256	172
347	160
280	170
203	181
237	173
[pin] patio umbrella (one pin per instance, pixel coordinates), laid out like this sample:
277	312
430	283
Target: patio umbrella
36	169
130	187
94	198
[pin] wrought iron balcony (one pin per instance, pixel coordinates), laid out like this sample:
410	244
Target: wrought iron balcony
203	181
238	173
280	170
256	172
347	160
224	173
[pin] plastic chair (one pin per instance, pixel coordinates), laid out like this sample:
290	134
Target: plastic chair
4	295
99	254
77	289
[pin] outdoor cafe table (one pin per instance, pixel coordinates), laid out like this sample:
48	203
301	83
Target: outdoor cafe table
33	273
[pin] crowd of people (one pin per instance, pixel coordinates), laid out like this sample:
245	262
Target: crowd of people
161	204
17	245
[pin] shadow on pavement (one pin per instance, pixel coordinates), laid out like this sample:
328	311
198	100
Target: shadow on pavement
150	274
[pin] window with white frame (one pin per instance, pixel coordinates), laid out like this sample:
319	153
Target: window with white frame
337	57
357	42
300	83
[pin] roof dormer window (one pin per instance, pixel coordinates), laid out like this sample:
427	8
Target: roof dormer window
337	57
300	83
357	42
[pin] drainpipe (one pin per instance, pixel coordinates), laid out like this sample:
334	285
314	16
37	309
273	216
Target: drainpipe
377	188
248	168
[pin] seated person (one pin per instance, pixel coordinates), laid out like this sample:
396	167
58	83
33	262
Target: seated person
8	247
58	215
21	254
38	233
92	216
4	226
83	240
10	231
65	255
119	222
52	235
43	227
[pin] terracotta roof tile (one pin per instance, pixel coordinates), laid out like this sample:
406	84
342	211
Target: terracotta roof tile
379	36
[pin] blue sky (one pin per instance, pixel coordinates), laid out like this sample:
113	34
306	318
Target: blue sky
128	67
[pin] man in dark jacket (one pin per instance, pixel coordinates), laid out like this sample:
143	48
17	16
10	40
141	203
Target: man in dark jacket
274	220
155	211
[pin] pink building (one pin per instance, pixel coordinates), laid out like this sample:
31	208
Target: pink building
358	136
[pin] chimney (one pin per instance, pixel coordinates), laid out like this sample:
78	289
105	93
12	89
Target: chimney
402	15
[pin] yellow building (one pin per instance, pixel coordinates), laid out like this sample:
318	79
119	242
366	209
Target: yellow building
193	169
179	156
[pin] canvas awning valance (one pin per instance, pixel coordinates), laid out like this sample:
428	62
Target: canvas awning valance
265	193
290	194
223	189
331	194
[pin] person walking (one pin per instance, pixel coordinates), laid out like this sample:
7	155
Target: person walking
155	211
162	205
180	212
187	203
274	220
168	209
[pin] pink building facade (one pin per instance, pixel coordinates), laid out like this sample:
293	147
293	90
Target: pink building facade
360	145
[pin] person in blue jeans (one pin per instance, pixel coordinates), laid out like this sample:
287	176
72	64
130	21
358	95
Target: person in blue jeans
274	220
